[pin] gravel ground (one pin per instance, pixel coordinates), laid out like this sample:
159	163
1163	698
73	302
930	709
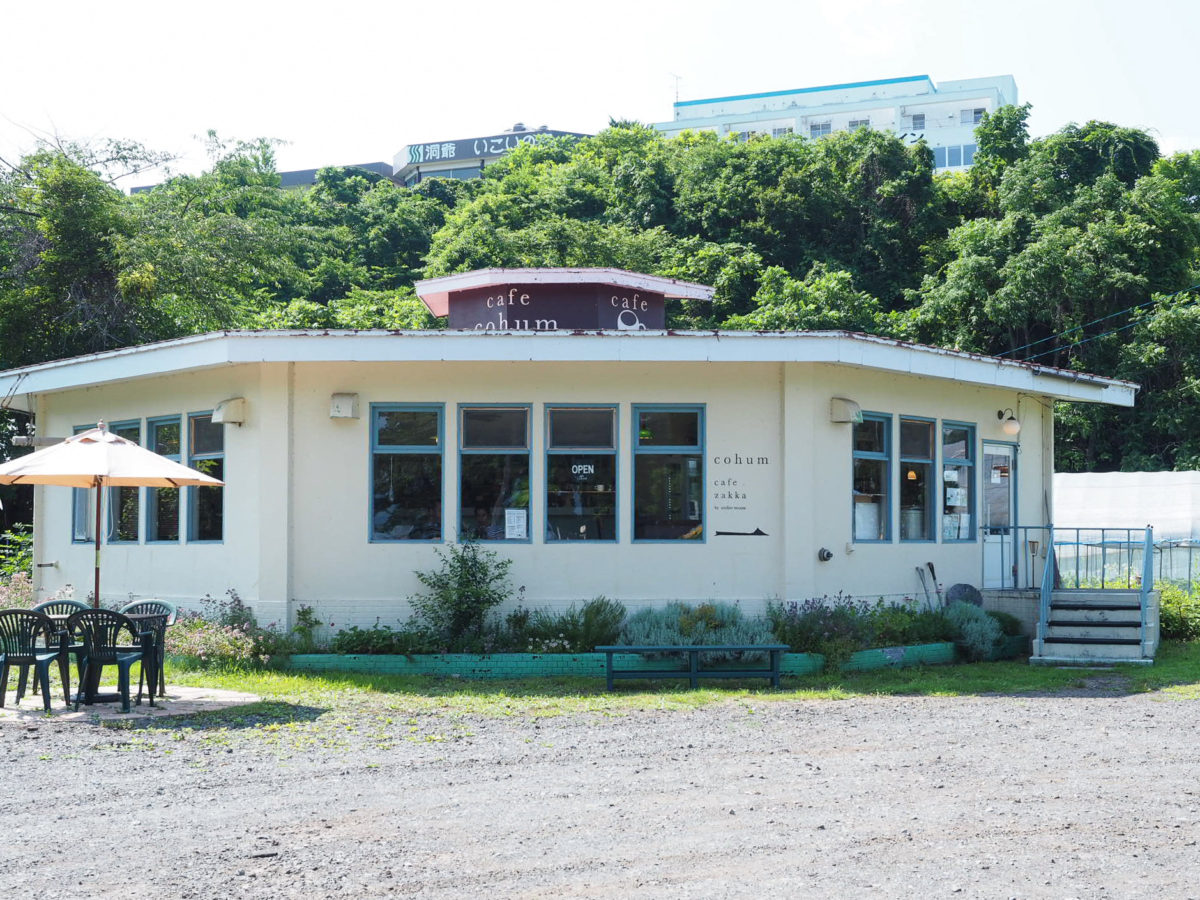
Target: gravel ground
1090	793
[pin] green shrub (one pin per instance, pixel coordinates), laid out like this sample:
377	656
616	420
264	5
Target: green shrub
573	630
679	624
1178	614
16	552
382	639
839	626
225	635
978	632
16	590
1009	624
470	582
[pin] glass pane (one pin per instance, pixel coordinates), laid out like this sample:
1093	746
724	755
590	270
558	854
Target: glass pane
669	502
164	438
164	510
581	497
870	500
129	432
494	492
668	429
870	436
957	489
206	437
916	519
956	442
123	513
81	520
968	154
939	157
208	503
406	428
916	439
495	428
582	428
954	156
407	497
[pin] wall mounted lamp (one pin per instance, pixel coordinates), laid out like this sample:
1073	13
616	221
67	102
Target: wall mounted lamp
1009	423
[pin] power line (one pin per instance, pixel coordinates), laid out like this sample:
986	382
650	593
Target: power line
1093	322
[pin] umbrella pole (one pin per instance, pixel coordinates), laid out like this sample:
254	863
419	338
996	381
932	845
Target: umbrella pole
96	589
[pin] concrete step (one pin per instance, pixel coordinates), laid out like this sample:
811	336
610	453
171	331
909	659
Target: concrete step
1089	632
1092	651
1071	613
1086	661
1096	599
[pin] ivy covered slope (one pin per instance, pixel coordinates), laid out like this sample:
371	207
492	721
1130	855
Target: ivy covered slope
1076	249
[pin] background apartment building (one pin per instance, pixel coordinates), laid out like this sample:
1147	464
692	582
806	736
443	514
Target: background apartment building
945	114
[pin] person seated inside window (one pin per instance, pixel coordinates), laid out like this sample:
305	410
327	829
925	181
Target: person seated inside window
485	526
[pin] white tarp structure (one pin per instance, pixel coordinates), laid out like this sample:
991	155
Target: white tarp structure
1167	501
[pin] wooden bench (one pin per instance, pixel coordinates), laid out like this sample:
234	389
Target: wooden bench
694	672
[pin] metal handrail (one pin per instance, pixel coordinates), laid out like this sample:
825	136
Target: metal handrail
1047	589
1147	583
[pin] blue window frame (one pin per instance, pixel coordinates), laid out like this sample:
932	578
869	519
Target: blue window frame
82	515
206	452
493	472
668	473
581	473
123	516
917	448
872	478
958	481
164	435
407	465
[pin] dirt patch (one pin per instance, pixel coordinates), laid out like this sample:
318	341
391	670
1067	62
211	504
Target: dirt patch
1076	795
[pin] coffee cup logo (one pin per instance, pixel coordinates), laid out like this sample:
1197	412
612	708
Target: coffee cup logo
633	323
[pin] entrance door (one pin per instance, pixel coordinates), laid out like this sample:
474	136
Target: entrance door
999	515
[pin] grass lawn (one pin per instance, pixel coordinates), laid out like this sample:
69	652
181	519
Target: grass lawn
1176	673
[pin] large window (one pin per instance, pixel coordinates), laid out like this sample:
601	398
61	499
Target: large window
958	482
971	116
581	474
406	473
493	482
123	506
206	452
81	507
820	129
916	479
872	443
162	504
668	473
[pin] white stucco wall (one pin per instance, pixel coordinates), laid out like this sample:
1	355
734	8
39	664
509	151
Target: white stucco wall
298	494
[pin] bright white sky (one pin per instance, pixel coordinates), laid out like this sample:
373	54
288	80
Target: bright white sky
354	81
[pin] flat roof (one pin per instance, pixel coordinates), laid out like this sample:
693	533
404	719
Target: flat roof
808	90
18	387
435	292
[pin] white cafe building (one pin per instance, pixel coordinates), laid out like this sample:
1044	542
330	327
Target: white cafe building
559	422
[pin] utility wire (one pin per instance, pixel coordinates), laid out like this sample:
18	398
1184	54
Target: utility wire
1093	322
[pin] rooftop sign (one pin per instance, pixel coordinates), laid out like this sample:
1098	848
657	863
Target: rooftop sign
487	147
555	299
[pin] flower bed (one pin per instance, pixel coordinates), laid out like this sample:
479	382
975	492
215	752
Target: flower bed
503	665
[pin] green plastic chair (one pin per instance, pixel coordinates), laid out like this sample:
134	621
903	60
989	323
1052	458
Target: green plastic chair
60	610
28	638
156	616
100	632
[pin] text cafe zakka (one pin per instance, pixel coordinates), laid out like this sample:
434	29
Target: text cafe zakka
559	420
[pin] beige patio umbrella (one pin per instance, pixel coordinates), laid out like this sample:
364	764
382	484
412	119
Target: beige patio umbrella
99	459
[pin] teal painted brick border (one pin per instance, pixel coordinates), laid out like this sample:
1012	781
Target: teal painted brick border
507	665
927	654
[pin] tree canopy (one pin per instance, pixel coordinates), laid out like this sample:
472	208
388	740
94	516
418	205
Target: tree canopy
1078	249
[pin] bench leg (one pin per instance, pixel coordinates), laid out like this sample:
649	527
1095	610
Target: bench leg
608	670
694	668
